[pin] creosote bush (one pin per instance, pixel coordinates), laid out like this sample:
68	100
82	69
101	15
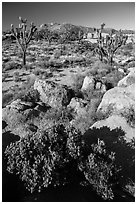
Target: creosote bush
7	98
16	76
40	157
25	89
11	65
77	82
99	169
52	156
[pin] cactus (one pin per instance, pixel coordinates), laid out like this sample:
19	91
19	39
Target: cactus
22	36
106	48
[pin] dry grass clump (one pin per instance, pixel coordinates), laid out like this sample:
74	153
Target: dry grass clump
11	65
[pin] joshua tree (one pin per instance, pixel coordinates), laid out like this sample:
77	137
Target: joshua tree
23	36
107	48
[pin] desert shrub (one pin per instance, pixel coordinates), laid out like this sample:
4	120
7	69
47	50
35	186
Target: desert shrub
4	76
27	67
31	59
127	53
6	99
84	122
40	159
84	46
37	71
57	54
102	116
45	75
24	89
128	47
131	64
115	142
76	59
130	116
130	187
52	63
15	119
90	94
6	59
11	65
113	78
31	96
99	168
16	76
60	114
100	68
55	155
77	82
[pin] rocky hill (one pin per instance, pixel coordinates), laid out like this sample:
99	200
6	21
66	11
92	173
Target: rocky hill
57	27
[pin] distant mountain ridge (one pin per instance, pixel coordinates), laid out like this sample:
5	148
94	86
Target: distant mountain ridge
62	27
58	26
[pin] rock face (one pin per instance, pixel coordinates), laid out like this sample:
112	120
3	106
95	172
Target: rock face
88	83
52	94
98	85
128	80
118	100
78	106
114	122
20	105
15	115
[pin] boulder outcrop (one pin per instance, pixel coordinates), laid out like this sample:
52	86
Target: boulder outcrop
78	106
53	94
118	100
114	122
127	80
88	83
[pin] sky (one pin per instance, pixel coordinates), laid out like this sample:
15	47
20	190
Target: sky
118	15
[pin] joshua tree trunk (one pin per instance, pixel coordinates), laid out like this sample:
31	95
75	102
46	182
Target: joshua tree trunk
24	58
111	60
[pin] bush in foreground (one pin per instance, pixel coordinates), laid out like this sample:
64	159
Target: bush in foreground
57	154
39	158
99	169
